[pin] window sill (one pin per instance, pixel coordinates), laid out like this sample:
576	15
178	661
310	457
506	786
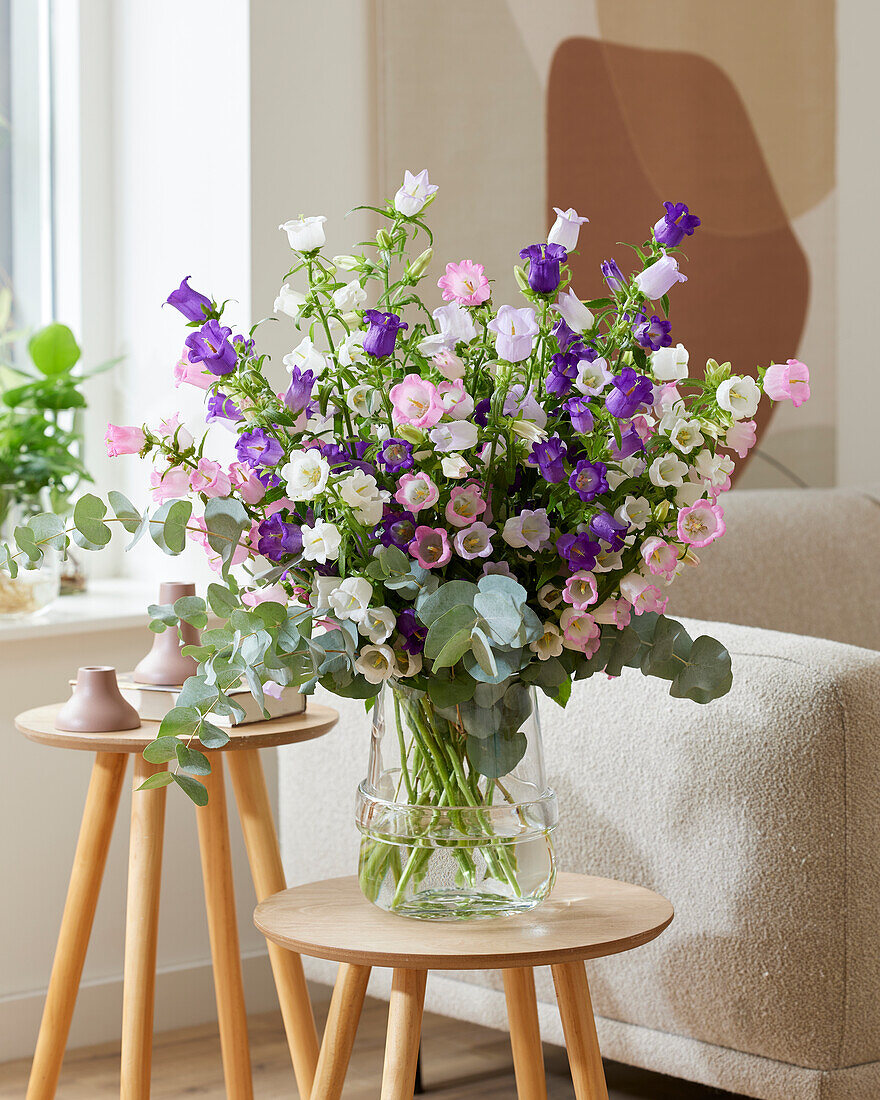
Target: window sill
107	605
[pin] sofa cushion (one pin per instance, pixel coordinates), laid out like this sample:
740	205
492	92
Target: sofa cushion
803	561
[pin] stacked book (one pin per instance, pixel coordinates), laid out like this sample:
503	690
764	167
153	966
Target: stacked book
153	701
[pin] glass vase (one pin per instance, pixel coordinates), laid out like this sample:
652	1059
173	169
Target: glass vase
37	585
455	815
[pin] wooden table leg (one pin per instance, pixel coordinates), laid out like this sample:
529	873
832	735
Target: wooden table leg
404	1032
579	1026
99	814
213	826
339	1033
141	932
525	1033
255	811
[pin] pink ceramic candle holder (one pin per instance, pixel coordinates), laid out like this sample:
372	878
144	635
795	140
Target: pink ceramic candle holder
96	705
165	664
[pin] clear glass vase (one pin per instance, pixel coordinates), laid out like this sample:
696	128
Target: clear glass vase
455	815
37	584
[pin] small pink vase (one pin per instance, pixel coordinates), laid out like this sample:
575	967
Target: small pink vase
165	664
96	705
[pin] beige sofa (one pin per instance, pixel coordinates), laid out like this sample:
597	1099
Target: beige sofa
758	815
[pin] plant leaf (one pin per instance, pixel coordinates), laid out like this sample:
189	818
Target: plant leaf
192	787
161	750
54	349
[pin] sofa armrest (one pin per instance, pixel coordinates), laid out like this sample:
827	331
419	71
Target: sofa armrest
758	815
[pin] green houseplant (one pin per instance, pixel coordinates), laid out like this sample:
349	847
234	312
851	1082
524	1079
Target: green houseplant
41	465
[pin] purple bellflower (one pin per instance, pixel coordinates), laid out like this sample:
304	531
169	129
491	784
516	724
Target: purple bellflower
613	276
630	443
381	336
564	335
579	551
653	334
211	346
548	458
563	371
193	305
580	414
278	540
299	392
348	455
256	448
412	630
396	529
588	480
221	407
627	391
395	456
605	527
544	261
675	225
481	412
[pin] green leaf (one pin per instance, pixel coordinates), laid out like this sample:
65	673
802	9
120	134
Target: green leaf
483	652
501	615
708	673
157	779
168	525
26	541
88	519
180	722
221	601
191	609
125	511
560	694
10	564
446	690
272	613
457	619
431	607
453	650
193	788
225	521
196	693
506	586
161	750
496	755
212	737
668	651
620	648
54	349
161	617
192	761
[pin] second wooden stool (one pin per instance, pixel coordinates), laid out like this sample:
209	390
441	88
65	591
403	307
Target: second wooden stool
584	918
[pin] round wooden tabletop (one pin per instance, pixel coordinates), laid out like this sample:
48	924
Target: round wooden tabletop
39	725
584	918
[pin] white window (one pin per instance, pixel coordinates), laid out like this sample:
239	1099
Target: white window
26	152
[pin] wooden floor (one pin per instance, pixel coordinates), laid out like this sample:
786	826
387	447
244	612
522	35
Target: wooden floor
460	1062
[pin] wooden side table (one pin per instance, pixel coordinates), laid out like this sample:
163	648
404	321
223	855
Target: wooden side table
584	918
112	752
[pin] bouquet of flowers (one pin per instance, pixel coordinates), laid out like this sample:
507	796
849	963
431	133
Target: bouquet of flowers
459	499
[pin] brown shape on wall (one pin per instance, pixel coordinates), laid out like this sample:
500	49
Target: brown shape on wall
746	298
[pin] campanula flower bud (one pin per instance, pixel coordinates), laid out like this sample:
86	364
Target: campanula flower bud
383	240
420	264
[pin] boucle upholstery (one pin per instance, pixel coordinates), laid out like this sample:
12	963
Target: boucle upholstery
805	561
758	815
